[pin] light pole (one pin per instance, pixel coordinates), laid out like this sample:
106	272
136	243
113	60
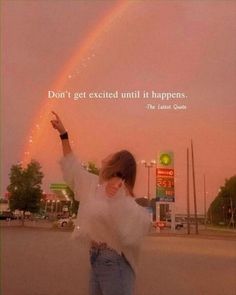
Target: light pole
148	165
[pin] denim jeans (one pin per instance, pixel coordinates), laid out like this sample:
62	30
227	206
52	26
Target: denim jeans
110	274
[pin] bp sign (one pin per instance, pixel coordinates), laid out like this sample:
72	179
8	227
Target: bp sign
165	159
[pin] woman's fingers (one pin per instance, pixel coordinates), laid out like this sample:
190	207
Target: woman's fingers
54	124
56	115
57	124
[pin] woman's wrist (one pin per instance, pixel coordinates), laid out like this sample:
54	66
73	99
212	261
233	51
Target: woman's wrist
64	135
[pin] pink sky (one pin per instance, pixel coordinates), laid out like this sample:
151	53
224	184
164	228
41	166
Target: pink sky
179	46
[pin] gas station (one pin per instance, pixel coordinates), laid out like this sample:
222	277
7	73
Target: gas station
165	187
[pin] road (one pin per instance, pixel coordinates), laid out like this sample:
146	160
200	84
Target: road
47	262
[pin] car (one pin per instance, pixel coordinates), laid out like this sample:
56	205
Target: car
158	224
65	222
62	216
7	215
39	216
178	224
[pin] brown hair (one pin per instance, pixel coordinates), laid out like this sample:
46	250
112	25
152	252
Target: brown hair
122	164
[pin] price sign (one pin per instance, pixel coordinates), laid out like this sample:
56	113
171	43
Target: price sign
166	182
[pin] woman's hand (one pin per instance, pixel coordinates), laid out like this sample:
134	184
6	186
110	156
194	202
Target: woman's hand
113	185
57	124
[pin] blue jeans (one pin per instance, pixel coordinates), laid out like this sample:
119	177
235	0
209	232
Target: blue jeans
110	274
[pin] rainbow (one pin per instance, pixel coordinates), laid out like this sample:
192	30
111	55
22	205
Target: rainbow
81	51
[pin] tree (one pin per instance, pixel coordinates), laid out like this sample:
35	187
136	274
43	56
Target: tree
25	188
75	203
92	168
222	209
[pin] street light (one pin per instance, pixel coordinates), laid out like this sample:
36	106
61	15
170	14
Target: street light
148	165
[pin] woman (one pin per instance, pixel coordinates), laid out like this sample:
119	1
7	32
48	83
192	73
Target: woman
109	218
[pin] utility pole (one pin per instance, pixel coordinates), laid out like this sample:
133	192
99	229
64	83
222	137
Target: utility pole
194	191
188	203
205	211
232	213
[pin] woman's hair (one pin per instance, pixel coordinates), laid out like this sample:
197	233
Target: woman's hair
122	164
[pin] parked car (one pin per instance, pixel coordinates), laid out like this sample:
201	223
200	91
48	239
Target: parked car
178	224
65	222
167	223
39	216
158	224
63	215
7	215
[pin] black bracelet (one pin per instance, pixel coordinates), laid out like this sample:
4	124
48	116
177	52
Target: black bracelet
64	136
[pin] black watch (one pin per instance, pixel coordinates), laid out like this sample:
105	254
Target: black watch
64	136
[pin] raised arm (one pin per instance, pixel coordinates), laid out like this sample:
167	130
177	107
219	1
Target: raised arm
57	124
79	179
75	175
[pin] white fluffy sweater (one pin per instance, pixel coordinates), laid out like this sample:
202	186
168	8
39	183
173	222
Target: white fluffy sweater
118	221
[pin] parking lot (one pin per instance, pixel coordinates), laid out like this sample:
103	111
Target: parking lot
42	261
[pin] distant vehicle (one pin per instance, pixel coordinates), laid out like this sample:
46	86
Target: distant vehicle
63	215
40	216
65	222
7	215
178	225
158	224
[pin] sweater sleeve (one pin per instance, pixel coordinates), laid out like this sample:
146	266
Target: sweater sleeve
132	222
135	225
77	177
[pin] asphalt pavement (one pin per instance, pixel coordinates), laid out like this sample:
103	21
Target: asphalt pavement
45	261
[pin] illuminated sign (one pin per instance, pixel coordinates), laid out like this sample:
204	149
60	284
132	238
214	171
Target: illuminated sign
165	172
58	186
165	186
165	182
165	159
